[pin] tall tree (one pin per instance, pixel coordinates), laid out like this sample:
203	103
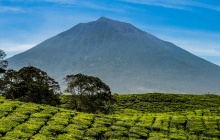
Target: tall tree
89	93
3	63
9	79
30	84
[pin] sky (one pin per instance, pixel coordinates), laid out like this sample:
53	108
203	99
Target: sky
193	25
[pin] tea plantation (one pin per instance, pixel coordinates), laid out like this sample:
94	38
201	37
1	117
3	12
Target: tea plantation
160	102
158	117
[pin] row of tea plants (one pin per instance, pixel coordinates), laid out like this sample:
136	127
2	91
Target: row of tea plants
25	121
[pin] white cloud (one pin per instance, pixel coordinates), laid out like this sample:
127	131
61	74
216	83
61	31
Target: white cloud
102	6
180	4
63	1
204	5
199	46
199	42
161	3
205	51
89	4
10	9
11	49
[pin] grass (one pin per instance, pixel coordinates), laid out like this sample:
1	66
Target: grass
145	116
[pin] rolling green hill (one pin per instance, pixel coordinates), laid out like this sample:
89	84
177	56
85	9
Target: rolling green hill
20	120
159	102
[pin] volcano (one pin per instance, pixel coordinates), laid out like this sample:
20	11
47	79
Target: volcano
126	58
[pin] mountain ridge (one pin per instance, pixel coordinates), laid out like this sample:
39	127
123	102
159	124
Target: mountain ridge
128	59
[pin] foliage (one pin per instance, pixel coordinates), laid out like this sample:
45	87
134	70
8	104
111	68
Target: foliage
3	63
89	93
30	84
160	102
33	121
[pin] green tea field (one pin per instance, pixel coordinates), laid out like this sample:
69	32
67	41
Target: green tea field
138	118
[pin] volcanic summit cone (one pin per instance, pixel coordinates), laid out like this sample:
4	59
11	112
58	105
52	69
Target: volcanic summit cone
126	58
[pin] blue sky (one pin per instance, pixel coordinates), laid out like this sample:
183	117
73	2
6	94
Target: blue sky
193	25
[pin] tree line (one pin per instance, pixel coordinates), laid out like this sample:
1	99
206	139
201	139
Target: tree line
31	84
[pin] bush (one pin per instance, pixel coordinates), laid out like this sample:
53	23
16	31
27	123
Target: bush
17	134
66	137
97	132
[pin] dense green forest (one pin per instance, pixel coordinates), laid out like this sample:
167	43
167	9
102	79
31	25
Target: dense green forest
152	116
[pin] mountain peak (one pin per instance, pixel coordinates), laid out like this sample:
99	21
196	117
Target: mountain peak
108	20
123	27
103	19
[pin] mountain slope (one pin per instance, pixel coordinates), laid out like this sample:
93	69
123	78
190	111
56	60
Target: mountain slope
127	59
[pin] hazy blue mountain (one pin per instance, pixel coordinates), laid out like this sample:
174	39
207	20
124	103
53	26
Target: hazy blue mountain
124	57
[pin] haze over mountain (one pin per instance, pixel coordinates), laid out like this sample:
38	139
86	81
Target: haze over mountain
124	57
